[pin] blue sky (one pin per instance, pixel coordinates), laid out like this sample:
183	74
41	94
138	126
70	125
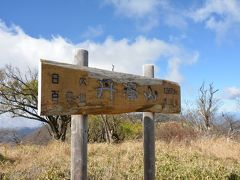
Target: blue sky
188	41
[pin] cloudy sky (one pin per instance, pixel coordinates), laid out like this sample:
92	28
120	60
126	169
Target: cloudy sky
190	42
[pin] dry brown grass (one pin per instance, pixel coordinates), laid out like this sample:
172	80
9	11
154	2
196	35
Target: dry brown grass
222	148
30	161
200	159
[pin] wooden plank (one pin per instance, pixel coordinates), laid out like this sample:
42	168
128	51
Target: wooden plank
66	89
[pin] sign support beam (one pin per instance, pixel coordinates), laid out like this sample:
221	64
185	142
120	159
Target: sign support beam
79	126
149	134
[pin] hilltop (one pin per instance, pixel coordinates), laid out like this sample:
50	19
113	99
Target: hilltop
203	158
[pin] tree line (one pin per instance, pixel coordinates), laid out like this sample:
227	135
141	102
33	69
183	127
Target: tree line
19	98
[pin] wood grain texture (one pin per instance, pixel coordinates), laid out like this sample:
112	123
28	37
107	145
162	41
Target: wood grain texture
66	89
79	132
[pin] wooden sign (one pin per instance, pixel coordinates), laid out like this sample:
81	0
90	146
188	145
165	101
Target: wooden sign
66	89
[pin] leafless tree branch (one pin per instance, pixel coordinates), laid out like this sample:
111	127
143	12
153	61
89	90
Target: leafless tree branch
18	96
207	104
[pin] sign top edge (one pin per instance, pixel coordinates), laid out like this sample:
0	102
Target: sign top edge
96	70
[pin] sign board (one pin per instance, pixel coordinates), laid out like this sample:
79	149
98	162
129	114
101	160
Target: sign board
66	89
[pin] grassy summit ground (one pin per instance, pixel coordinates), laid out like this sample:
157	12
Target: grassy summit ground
200	159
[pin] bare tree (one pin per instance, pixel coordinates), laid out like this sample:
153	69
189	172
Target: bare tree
207	104
233	125
107	128
18	96
192	117
110	128
110	124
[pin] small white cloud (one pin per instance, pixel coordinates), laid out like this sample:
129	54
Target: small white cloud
174	18
177	39
173	68
148	14
175	63
220	16
134	8
147	24
93	32
232	92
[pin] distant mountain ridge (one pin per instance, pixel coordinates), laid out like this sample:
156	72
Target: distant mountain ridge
39	136
8	135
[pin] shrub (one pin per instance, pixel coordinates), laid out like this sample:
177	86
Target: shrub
120	128
130	130
174	131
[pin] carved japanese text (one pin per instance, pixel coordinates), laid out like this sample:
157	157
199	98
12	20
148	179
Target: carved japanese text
105	85
130	90
150	95
55	96
55	78
170	91
83	82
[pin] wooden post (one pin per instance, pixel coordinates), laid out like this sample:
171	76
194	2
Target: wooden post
148	134
79	125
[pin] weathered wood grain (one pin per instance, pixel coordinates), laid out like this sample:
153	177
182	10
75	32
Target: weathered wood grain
66	89
79	132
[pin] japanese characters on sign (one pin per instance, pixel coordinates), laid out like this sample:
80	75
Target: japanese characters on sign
150	95
82	81
67	89
130	90
55	78
107	85
55	95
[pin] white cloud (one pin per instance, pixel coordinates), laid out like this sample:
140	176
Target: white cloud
22	50
232	92
148	14
175	19
177	39
134	8
147	24
93	32
130	56
221	16
174	70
